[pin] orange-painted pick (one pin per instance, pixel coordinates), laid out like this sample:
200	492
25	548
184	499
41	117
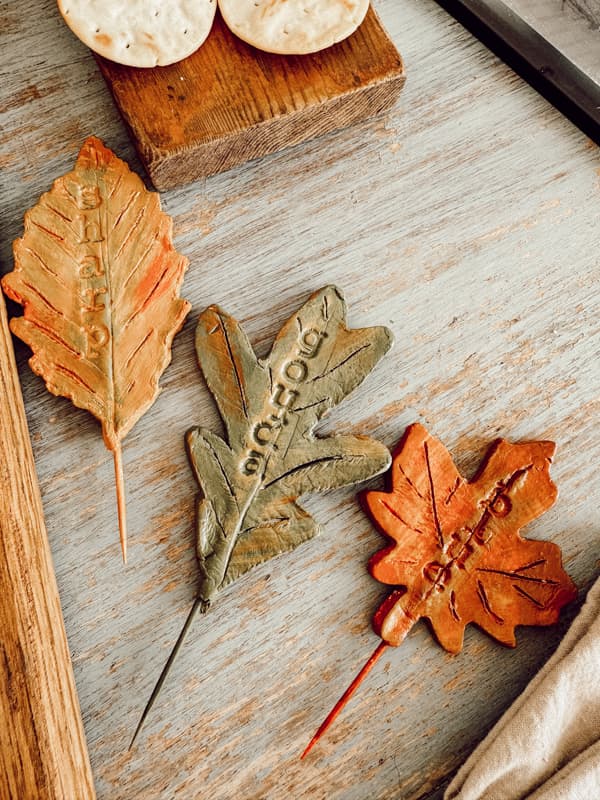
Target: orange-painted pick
455	548
98	277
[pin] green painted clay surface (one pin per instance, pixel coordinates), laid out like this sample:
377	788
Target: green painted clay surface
249	511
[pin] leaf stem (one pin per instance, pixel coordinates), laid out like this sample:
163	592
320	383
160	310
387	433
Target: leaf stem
329	719
121	507
197	605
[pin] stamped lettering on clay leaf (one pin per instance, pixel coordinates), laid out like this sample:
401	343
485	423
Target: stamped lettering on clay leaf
249	510
251	484
99	279
455	553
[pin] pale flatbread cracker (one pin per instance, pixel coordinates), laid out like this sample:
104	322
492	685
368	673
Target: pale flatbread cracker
293	26
140	33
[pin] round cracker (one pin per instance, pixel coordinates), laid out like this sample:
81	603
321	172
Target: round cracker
140	33
293	27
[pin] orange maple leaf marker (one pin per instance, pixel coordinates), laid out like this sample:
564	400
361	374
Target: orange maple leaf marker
455	547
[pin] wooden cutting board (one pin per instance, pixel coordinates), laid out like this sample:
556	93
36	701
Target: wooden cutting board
229	103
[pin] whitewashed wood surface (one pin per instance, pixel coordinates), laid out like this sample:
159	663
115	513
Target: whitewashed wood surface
467	220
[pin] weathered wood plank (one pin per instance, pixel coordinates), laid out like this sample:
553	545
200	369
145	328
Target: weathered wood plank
43	753
467	221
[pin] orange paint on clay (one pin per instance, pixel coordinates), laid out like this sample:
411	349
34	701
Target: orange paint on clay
98	277
455	551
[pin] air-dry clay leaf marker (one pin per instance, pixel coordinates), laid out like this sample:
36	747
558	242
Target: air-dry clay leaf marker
251	483
99	279
455	547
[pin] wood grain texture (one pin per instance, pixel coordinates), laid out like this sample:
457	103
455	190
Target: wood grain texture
43	753
466	220
228	102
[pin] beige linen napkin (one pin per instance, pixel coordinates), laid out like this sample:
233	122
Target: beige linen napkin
547	745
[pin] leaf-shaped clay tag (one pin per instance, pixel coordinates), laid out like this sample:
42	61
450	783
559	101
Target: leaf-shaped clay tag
251	484
249	512
456	550
99	279
460	555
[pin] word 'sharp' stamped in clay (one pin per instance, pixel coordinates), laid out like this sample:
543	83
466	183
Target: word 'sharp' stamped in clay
98	278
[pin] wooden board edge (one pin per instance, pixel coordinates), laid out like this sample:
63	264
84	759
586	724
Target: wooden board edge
43	751
170	169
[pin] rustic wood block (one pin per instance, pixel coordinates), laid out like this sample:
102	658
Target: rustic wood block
229	103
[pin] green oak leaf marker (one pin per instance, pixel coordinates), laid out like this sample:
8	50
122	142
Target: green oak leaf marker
249	510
